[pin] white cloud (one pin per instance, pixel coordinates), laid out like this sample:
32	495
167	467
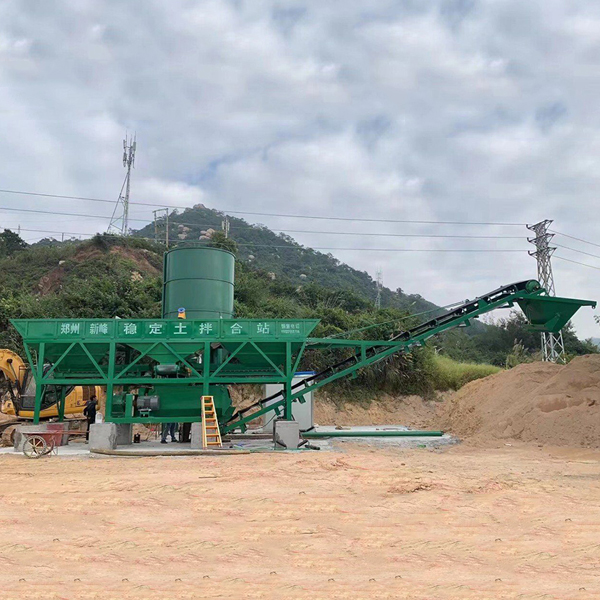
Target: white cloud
438	109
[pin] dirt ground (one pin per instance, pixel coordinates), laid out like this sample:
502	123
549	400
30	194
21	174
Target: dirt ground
507	522
407	410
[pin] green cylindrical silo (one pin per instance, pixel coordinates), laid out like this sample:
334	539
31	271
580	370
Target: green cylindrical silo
201	281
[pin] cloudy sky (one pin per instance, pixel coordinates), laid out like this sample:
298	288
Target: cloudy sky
431	110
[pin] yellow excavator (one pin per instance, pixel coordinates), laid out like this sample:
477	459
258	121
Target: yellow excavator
19	392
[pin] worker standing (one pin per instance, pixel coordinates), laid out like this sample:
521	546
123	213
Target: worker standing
89	411
168	429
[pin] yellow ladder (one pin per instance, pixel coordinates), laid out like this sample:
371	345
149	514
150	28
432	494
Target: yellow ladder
211	435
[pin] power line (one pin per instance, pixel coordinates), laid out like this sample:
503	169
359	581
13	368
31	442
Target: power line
575	262
575	250
60	232
358	233
574	238
352	249
65	197
409	235
63	214
265	214
296	247
239	244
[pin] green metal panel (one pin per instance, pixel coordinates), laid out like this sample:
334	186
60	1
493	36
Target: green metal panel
201	281
179	401
153	330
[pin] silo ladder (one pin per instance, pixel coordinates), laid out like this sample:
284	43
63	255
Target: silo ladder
211	435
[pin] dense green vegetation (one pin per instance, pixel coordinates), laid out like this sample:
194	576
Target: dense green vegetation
507	342
110	276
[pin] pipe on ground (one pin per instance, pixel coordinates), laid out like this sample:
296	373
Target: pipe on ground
377	433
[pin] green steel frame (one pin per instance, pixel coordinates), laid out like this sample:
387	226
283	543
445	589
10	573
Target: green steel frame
119	354
271	351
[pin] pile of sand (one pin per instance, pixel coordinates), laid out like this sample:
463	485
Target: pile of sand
537	402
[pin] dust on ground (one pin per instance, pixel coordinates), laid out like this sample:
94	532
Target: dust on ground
516	522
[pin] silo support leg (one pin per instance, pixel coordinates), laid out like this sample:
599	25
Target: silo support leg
206	369
288	416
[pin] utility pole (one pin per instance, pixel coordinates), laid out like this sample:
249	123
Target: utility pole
225	226
553	348
379	286
157	224
119	221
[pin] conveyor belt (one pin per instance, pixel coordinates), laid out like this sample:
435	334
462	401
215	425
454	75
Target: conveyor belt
416	335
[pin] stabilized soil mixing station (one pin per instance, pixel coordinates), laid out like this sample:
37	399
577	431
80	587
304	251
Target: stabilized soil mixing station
157	370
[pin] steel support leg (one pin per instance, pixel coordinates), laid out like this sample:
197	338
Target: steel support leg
112	351
206	369
39	388
289	382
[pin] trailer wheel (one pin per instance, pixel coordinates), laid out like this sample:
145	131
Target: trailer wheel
35	446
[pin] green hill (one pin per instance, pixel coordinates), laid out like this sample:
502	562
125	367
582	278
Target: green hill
280	254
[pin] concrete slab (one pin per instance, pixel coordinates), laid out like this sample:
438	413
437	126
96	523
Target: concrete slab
124	434
103	436
286	434
61	451
196	436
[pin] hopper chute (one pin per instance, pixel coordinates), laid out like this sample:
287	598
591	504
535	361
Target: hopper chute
550	313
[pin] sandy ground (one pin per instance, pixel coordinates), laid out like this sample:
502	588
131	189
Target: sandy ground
508	522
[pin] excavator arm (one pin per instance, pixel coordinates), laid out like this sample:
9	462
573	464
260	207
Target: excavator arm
16	374
13	368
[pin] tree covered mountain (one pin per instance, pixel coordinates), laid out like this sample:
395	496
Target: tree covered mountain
281	255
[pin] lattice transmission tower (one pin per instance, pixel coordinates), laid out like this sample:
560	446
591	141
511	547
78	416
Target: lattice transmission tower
553	348
119	222
161	221
379	286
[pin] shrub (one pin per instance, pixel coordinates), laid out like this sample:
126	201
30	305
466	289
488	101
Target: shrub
448	374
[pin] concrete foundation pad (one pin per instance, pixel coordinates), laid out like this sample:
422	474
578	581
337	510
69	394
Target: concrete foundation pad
103	436
196	436
124	434
286	434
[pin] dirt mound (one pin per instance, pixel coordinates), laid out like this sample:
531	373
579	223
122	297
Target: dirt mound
388	410
537	402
